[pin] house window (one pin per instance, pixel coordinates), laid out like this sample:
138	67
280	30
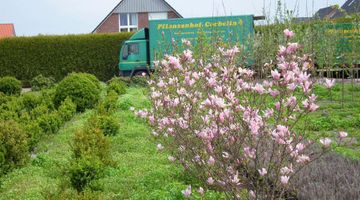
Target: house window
128	22
161	15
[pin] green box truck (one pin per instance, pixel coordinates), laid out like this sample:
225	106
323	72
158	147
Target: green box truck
138	53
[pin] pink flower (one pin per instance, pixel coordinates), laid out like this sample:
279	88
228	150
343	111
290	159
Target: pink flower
284	180
303	158
291	101
274	93
343	134
275	74
250	153
175	62
325	141
288	33
187	192
187	55
171	158
211	161
292	48
259	88
186	42
329	83
286	170
277	105
252	195
262	172
160	147
299	147
210	181
200	190
282	51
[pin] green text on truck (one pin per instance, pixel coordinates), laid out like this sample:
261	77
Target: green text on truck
138	53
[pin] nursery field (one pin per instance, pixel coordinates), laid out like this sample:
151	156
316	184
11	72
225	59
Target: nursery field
138	170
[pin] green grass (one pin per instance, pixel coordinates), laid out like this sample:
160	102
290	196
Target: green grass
339	111
139	170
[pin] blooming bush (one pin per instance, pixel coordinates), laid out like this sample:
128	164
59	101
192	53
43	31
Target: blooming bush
235	133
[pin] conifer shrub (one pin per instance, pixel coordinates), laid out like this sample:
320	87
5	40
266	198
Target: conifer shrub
110	102
109	125
10	85
13	146
117	85
80	88
67	109
91	153
30	100
41	82
50	122
83	171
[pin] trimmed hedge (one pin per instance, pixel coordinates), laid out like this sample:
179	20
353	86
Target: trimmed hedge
56	56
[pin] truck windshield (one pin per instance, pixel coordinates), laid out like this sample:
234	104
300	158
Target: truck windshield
130	49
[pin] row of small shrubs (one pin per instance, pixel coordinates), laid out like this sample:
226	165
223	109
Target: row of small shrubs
56	56
91	146
28	117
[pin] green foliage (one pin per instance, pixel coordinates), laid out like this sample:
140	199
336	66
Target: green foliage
67	109
109	125
91	142
30	100
50	122
108	105
83	171
139	81
117	85
10	85
91	153
56	56
41	82
84	92
13	146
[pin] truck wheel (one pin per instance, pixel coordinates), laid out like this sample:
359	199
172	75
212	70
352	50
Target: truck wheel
140	73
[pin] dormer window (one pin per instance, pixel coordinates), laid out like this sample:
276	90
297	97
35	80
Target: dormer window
128	22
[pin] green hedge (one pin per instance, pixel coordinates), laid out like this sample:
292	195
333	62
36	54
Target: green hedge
56	56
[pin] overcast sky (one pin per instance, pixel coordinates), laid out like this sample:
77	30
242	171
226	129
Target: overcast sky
33	17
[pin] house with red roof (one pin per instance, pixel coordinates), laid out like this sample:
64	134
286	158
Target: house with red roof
132	15
7	30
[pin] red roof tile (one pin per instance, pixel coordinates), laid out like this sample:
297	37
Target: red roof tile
7	30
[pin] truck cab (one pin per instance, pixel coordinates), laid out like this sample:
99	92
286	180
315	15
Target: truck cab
134	54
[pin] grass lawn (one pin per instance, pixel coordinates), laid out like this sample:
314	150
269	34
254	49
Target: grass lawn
139	170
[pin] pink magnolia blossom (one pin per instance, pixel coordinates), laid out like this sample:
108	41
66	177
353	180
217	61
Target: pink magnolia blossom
343	134
303	158
329	83
160	147
201	190
210	181
262	172
275	74
286	170
211	161
249	152
292	48
187	192
175	62
325	141
186	42
284	180
188	55
171	158
288	33
259	88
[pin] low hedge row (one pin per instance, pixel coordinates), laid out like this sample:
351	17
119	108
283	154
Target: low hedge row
56	56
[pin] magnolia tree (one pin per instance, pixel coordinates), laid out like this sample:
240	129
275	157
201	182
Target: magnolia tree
236	134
